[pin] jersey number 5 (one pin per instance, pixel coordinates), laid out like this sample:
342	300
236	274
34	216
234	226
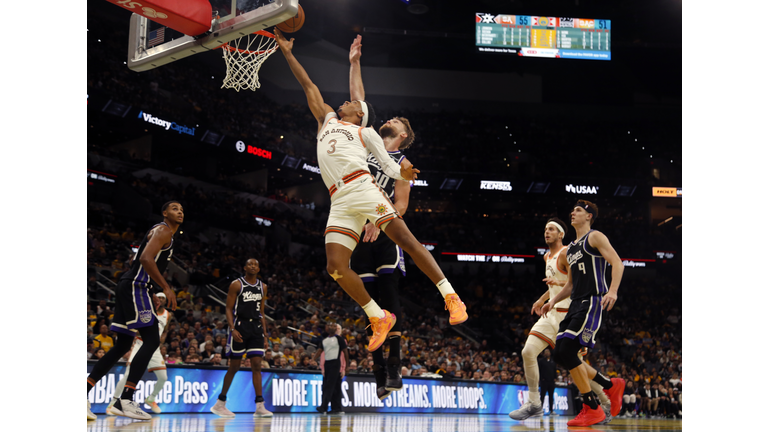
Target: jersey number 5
333	146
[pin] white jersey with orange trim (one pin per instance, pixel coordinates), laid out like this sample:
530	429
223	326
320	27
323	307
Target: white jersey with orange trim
343	148
554	272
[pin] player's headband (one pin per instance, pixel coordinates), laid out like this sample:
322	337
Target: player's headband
557	226
364	107
587	208
161	295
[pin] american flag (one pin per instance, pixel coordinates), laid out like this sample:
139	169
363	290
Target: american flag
156	37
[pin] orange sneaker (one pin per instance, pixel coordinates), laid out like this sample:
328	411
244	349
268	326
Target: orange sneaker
457	309
381	326
588	417
616	395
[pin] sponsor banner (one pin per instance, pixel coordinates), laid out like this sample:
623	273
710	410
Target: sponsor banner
667	192
195	390
539	52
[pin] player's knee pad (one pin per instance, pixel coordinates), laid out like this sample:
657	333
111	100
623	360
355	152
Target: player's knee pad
162	377
567	353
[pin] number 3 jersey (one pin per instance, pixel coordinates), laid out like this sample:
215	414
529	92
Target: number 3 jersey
588	269
342	149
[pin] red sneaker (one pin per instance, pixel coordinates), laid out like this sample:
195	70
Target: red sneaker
588	417
616	395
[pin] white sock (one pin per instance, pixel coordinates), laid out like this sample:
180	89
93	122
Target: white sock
373	310
162	377
445	287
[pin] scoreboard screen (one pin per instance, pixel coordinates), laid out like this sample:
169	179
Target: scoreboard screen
541	36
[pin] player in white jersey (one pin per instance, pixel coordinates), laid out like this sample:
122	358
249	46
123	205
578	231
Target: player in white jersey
343	145
156	363
544	332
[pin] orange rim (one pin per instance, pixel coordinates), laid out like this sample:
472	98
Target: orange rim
264	33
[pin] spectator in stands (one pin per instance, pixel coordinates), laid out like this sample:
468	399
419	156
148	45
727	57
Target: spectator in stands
99	353
103	340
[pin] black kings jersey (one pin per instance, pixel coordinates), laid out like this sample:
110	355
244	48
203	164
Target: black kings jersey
137	274
385	182
588	269
248	303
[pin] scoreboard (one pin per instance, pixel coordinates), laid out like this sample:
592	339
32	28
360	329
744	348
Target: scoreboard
541	36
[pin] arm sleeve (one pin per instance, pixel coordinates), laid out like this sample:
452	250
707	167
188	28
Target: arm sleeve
375	145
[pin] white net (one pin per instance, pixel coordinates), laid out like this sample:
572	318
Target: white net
244	57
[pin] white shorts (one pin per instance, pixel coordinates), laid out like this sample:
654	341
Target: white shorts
546	328
155	363
352	205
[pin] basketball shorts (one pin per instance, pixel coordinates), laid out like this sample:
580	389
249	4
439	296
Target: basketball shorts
546	328
134	308
155	363
352	205
582	321
382	256
253	339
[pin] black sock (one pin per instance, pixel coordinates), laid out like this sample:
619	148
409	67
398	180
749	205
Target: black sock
223	397
603	381
590	399
259	399
127	392
394	348
378	357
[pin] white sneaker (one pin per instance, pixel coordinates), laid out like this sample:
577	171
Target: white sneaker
109	407
220	409
261	411
608	416
527	410
91	415
129	408
153	406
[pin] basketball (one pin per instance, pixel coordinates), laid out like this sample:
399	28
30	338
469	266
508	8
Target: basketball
292	24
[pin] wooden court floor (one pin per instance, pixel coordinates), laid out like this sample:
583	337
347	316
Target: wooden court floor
367	422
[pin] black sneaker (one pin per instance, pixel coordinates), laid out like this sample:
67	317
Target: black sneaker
381	379
339	412
394	379
322	411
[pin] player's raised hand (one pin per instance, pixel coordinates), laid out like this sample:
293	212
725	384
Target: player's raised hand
408	171
356	49
609	300
285	45
371	233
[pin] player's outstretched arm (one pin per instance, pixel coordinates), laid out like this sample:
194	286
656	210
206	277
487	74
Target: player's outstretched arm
356	89
314	99
599	241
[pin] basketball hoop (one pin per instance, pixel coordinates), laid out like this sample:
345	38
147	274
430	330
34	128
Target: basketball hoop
244	57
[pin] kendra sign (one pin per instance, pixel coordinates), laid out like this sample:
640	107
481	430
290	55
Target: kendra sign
149	118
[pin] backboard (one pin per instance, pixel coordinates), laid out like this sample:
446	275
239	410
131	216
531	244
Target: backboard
152	45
